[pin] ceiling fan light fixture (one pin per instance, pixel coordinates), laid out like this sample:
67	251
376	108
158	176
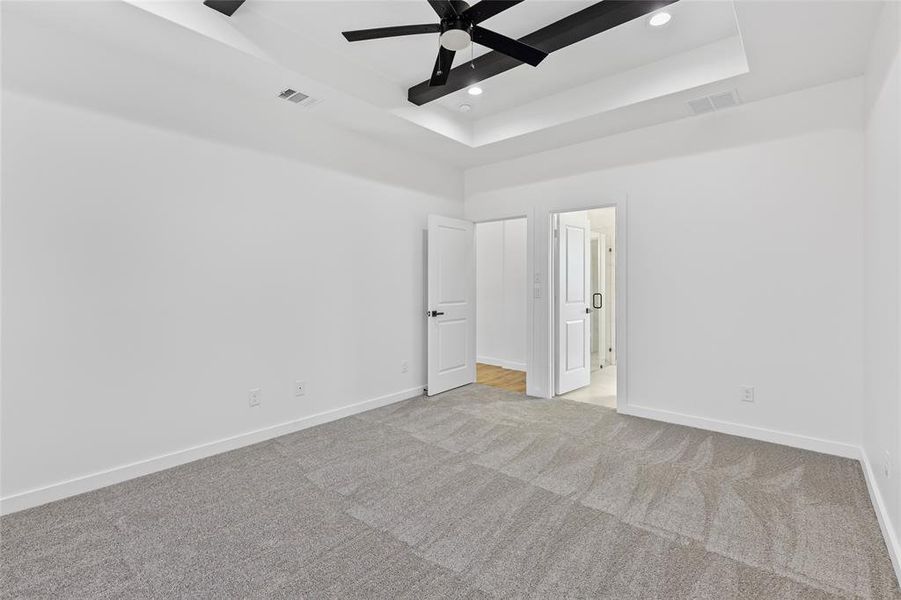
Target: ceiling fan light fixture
659	19
475	91
455	39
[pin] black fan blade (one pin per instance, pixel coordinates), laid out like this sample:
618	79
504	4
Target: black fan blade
487	9
444	8
384	32
226	7
459	6
510	47
443	65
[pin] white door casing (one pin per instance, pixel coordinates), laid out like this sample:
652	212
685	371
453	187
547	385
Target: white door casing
573	302
451	310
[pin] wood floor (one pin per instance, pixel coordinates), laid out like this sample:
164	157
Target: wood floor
506	379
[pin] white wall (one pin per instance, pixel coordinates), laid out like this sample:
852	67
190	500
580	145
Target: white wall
743	259
501	289
882	211
151	278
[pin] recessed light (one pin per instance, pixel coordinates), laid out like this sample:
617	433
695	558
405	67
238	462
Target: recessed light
659	19
475	90
465	108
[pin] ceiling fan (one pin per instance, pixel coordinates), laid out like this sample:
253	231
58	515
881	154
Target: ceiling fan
458	28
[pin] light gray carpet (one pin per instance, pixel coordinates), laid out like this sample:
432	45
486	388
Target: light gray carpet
478	493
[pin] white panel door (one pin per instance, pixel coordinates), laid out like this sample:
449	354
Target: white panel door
573	302
595	276
451	310
599	299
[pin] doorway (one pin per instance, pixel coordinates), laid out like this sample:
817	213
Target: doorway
585	306
501	304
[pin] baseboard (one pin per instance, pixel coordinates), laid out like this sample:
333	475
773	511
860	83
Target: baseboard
86	483
882	514
757	433
499	362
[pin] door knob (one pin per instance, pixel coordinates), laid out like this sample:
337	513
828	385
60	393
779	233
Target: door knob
588	311
435	313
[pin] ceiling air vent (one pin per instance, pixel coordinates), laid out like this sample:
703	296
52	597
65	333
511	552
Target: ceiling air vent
719	101
701	105
297	97
724	100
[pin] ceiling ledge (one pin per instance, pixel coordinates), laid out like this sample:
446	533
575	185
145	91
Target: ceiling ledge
708	64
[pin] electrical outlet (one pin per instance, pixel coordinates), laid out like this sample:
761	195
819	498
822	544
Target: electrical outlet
254	397
886	464
746	393
404	366
300	388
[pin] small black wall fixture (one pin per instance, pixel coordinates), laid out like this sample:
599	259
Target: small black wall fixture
226	7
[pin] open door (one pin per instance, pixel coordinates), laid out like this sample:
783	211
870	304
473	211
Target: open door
451	311
573	301
599	299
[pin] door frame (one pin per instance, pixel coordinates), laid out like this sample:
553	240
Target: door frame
529	274
537	205
622	386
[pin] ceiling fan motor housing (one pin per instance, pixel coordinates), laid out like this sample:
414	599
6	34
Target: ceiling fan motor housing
455	34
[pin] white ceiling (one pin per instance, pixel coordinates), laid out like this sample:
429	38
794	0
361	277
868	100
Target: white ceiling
629	77
399	63
623	48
